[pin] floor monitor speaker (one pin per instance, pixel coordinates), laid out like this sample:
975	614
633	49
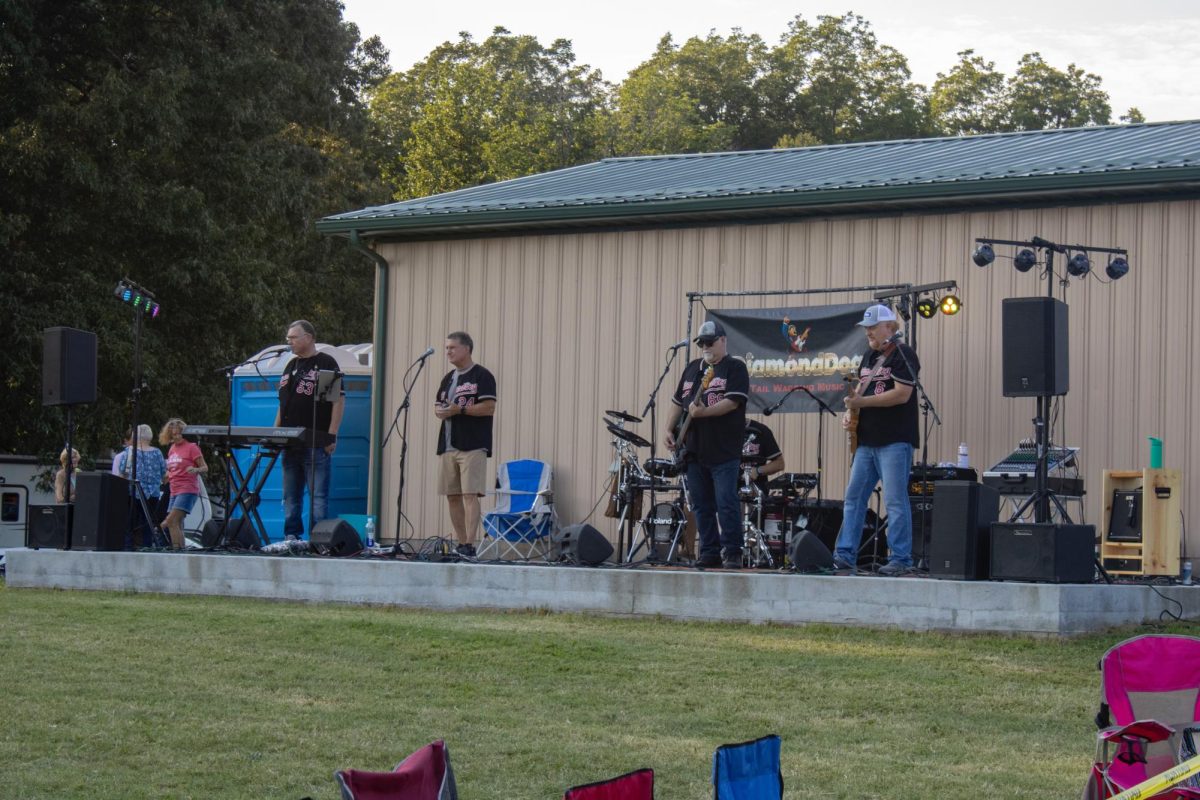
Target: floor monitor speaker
336	537
101	516
49	526
809	554
583	544
1043	552
962	517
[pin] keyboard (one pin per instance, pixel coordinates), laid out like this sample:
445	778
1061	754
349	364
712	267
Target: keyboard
248	436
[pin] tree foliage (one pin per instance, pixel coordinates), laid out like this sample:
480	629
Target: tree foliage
189	147
476	112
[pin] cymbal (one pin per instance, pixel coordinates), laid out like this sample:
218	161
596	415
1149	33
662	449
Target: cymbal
624	416
628	436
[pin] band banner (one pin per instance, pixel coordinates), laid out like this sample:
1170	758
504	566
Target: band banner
813	345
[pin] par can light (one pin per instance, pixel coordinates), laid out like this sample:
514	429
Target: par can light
1025	260
1117	268
1079	265
983	255
951	305
926	308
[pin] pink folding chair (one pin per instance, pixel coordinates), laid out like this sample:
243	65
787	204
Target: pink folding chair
636	785
1150	696
424	775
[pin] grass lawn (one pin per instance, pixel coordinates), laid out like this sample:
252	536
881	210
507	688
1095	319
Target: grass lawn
145	696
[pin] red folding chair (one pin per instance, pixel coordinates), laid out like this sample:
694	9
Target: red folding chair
636	785
424	775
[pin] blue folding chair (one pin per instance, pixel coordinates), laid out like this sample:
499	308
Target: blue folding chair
523	523
748	770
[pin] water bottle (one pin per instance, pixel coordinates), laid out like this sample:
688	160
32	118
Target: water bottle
1187	573
370	531
964	461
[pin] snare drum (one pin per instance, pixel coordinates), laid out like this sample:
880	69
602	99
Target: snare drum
661	467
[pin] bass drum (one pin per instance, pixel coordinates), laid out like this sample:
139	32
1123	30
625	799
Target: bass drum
661	523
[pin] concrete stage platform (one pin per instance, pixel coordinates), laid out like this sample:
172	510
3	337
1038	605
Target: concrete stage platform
748	596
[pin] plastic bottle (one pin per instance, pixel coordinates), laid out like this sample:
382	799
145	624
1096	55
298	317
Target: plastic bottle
1187	573
370	531
964	461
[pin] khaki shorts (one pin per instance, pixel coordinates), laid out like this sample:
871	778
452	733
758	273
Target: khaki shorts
463	473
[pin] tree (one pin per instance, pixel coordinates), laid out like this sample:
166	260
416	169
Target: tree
701	97
473	113
969	99
1040	96
189	147
834	82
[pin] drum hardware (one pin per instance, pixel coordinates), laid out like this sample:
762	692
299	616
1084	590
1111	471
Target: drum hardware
623	416
756	552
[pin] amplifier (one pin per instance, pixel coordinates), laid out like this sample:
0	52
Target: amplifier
49	526
923	476
1043	552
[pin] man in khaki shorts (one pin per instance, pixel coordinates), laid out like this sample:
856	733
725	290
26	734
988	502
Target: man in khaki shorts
465	403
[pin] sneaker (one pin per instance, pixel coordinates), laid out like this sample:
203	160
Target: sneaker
840	563
465	550
894	569
732	560
710	560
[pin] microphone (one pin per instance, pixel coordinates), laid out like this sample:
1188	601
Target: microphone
895	337
285	348
678	345
768	411
425	355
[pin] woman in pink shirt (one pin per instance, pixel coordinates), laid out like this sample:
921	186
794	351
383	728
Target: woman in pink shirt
185	463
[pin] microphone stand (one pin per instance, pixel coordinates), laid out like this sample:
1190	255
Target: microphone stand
652	409
404	408
820	436
927	410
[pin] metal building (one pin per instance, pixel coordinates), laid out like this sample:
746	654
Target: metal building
573	282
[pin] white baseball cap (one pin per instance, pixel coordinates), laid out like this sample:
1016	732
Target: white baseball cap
877	314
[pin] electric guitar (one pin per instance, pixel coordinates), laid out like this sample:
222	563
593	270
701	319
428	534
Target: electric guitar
863	383
685	419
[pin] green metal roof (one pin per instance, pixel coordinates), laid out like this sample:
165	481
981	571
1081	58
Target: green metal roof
1029	166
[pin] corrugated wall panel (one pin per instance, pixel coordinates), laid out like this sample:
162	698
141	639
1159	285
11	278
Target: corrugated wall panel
575	324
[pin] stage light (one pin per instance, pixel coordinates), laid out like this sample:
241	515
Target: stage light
142	301
983	255
1025	260
951	305
927	308
1117	268
1079	265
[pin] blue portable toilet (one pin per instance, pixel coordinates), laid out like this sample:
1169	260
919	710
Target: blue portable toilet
255	401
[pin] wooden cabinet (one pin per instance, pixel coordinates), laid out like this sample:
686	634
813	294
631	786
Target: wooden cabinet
1157	553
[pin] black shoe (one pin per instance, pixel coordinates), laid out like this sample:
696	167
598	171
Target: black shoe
732	561
894	569
465	550
840	563
710	560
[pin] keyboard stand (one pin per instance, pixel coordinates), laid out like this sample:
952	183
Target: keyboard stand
244	496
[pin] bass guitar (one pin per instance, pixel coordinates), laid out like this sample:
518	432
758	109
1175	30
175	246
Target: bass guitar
685	419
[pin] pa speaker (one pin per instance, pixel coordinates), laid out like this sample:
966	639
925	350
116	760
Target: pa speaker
1035	347
1043	552
824	518
583	544
49	526
240	535
963	513
808	554
101	517
336	537
68	367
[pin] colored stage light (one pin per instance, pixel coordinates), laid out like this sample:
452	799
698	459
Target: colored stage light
1079	265
951	305
1025	260
1117	268
927	308
983	255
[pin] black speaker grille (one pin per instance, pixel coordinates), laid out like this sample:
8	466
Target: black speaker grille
1035	347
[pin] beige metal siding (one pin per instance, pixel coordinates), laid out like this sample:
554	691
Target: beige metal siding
573	324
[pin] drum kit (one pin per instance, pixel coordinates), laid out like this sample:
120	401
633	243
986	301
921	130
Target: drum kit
771	511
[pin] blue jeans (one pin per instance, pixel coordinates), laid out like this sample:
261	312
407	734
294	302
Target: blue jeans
890	464
713	492
296	461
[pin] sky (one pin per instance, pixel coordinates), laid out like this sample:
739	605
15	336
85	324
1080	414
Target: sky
1147	53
